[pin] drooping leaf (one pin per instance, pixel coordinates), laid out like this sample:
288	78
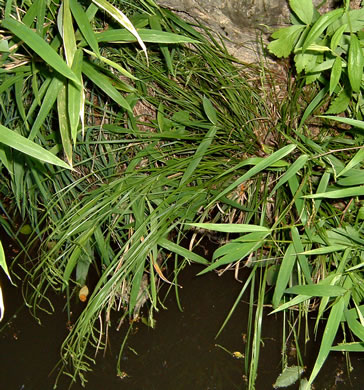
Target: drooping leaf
24	145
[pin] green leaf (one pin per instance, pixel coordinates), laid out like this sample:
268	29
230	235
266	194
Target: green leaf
320	25
355	63
69	40
209	110
104	83
328	337
260	166
230	227
284	40
299	250
317	290
335	74
40	47
24	145
340	103
200	152
3	261
289	375
123	20
325	249
303	9
357	159
291	171
147	35
64	123
349	347
337	194
348	121
84	25
284	274
171	246
337	37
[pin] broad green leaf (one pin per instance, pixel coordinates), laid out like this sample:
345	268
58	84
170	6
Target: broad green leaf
230	227
291	171
357	159
147	35
75	97
69	40
325	249
113	64
320	25
209	110
349	347
329	335
337	37
354	325
122	19
40	47
48	102
84	25
171	246
337	194
237	250
260	166
200	152
24	145
3	264
284	274
289	375
299	250
104	83
284	40
317	290
303	9
335	74
293	302
64	123
348	121
355	63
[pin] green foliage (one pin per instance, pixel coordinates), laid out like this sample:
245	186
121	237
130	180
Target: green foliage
327	48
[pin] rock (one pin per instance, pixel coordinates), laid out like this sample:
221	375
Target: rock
244	23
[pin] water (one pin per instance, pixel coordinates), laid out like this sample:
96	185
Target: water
181	353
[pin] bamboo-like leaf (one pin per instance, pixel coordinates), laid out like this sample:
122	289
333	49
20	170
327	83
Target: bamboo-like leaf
64	123
84	25
3	264
48	102
237	250
69	40
230	227
200	152
209	110
147	35
328	337
103	82
337	37
335	74
293	302
324	250
301	258
320	25
317	290
348	121
349	347
357	159
263	164
40	47
284	274
355	63
75	97
122	19
171	246
291	171
337	194
24	145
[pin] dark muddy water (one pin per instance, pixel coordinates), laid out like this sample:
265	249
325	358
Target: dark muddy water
181	353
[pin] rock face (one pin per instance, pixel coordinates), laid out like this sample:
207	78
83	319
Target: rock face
244	23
